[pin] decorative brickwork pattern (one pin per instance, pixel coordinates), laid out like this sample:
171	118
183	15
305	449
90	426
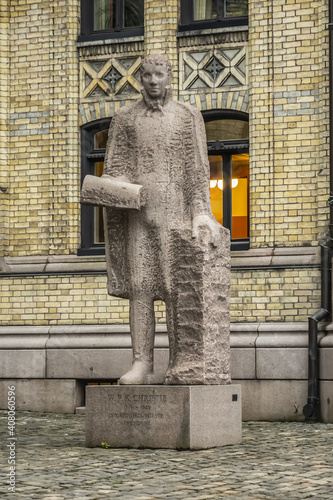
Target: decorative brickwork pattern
212	69
232	100
114	77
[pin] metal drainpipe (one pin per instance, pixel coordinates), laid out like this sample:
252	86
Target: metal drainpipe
311	410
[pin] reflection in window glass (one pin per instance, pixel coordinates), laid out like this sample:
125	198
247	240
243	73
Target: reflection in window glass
205	9
236	8
129	14
239	193
133	13
240	196
98	211
100	139
216	186
224	130
104	14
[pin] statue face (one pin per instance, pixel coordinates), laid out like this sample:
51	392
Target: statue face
154	79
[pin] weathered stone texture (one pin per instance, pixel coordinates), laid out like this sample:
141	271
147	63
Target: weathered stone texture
201	338
183	417
163	250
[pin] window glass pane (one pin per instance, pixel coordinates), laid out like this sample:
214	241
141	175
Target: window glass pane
224	130
104	14
100	139
133	13
216	186
98	211
236	8
240	196
204	9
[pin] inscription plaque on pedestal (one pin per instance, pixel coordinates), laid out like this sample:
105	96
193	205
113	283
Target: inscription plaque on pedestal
179	417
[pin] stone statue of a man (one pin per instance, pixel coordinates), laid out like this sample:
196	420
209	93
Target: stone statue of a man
171	248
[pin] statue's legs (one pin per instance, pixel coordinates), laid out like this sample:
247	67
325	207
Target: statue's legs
142	327
142	320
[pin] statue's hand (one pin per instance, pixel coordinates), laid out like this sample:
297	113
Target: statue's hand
210	226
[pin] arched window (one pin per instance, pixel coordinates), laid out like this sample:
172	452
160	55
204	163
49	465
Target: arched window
228	149
93	140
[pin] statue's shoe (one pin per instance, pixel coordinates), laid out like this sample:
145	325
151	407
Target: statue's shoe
140	373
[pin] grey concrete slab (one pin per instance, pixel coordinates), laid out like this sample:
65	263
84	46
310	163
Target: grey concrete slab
326	363
19	363
55	396
178	417
282	363
96	363
326	401
273	399
27	341
243	363
327	340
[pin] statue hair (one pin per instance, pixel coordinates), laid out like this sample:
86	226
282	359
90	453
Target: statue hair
157	60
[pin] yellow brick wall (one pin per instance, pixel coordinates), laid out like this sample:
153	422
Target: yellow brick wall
62	300
4	124
323	87
161	26
274	295
44	134
256	296
39	157
288	121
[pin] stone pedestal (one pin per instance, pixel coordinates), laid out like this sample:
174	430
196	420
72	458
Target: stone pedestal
160	416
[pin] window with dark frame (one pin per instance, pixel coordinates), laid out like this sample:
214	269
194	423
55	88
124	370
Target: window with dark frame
102	19
201	14
228	153
93	140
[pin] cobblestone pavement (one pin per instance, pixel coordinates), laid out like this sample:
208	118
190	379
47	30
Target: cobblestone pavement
275	460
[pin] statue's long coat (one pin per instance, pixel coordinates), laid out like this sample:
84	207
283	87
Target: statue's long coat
165	151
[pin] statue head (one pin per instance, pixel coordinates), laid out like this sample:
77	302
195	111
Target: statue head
156	73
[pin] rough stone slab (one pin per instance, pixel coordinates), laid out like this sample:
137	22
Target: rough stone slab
97	363
326	401
19	363
176	417
54	396
326	363
282	363
243	363
201	336
273	400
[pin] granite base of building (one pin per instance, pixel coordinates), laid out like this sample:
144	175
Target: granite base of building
177	417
